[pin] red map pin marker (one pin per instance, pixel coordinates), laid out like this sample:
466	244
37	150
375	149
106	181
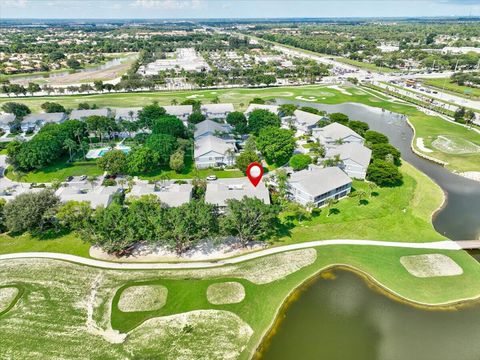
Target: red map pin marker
255	173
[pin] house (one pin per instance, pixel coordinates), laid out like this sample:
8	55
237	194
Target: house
271	108
354	157
211	151
99	195
336	133
217	111
128	114
5	120
83	114
180	111
209	127
221	190
38	120
170	194
317	185
305	121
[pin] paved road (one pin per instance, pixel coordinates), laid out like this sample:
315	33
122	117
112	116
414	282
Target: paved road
438	245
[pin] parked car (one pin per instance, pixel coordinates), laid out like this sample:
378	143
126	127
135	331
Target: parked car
83	177
211	177
70	178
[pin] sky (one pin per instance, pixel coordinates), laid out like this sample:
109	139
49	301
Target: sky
178	9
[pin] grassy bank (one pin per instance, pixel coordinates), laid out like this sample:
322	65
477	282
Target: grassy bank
82	312
454	88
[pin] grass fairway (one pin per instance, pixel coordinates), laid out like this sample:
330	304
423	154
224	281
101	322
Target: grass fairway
465	91
392	214
78	304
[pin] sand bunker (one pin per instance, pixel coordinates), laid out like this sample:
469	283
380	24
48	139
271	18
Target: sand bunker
225	293
143	298
422	146
7	296
338	88
455	145
310	98
430	265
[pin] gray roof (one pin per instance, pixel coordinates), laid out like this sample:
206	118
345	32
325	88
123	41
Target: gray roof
178	110
219	191
208	143
317	181
353	151
209	127
217	108
45	117
6	118
171	194
335	131
81	114
306	118
124	113
271	108
100	195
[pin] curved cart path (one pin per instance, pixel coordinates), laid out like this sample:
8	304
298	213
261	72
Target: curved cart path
439	245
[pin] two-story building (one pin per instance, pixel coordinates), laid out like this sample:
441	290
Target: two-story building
336	134
354	158
35	121
217	111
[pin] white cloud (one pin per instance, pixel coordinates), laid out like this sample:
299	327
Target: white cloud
14	3
168	4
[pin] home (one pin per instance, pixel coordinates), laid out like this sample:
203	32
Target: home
211	151
305	121
126	114
317	185
5	120
180	111
271	108
336	133
217	111
354	158
83	114
220	191
97	196
209	127
38	120
169	193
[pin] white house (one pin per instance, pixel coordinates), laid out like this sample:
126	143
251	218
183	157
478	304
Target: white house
354	157
317	185
128	114
32	121
211	151
217	111
305	121
271	108
221	190
209	127
83	114
5	120
170	194
334	133
180	111
99	195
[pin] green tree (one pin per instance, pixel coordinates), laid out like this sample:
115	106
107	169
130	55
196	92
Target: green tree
300	161
246	158
276	145
339	118
249	220
141	160
359	127
163	145
383	173
196	117
73	64
32	88
170	125
177	162
114	162
32	211
238	120
381	151
149	113
19	110
374	137
260	119
74	214
52	107
287	109
71	146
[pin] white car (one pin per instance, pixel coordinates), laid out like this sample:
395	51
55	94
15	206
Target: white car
211	177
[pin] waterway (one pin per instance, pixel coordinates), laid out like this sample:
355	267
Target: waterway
459	219
343	318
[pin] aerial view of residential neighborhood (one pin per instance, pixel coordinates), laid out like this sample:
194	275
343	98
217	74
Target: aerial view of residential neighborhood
248	179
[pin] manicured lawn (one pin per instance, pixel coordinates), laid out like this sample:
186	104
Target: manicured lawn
364	65
392	214
441	83
58	171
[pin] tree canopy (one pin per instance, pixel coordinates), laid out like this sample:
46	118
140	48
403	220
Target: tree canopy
276	145
260	119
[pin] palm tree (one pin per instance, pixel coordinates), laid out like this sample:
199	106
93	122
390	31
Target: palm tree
130	115
281	178
174	102
70	145
361	196
91	180
330	203
230	155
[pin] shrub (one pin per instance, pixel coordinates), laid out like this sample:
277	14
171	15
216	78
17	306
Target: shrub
300	161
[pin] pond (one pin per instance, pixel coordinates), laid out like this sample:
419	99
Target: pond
459	219
341	317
